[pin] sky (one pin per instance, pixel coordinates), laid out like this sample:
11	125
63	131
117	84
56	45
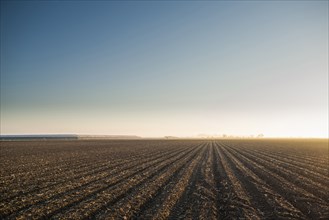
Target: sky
179	68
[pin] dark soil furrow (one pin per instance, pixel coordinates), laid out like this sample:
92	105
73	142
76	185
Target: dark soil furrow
299	198
303	168
318	190
119	189
144	195
277	207
188	204
92	171
98	182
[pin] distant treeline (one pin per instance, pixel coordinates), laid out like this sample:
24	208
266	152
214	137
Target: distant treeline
39	137
108	137
65	137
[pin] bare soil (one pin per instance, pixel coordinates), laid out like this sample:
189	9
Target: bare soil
165	179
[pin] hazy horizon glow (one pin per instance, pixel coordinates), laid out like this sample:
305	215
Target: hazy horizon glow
165	68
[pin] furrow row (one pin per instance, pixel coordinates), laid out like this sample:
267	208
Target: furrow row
76	187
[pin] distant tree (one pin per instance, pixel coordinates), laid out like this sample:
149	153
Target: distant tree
260	135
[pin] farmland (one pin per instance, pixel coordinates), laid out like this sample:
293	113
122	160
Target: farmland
165	179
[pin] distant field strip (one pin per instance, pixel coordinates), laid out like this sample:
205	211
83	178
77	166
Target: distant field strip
164	179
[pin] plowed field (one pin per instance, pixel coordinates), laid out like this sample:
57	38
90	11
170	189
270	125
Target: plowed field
165	179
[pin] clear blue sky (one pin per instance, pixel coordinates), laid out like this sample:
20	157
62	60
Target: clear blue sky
165	68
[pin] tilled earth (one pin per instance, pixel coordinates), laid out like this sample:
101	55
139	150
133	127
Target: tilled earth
165	179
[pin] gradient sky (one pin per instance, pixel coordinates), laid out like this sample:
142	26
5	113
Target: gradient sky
165	68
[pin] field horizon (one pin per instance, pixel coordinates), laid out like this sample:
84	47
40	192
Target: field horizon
136	137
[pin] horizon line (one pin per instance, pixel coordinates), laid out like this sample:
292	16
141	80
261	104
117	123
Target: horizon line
198	136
